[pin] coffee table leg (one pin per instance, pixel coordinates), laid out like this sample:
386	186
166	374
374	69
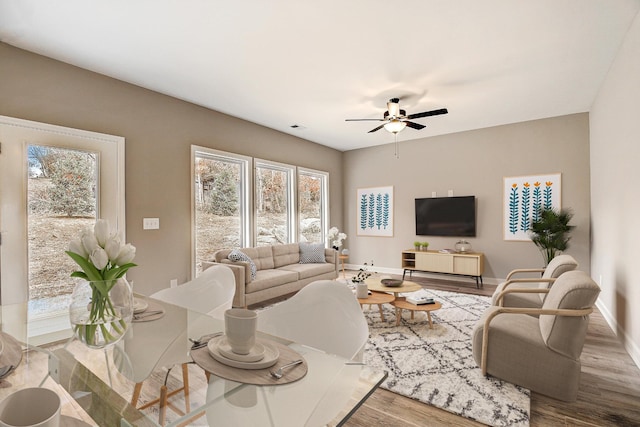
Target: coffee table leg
381	313
398	315
430	322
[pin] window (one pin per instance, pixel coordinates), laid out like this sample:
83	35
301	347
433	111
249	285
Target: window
220	203
312	205
289	204
274	196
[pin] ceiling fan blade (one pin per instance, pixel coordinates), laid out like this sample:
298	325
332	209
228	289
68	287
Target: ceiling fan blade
428	113
376	129
417	126
363	120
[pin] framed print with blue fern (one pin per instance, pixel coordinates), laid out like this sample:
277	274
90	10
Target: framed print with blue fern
375	211
523	198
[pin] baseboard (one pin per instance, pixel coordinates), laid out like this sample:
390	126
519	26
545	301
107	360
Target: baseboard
631	347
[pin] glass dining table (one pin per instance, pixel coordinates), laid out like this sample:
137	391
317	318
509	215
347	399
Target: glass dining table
97	385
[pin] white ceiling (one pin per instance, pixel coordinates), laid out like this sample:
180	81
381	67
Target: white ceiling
315	63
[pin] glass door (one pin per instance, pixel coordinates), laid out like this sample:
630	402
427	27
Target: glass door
54	182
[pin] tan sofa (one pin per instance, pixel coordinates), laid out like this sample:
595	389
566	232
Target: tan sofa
278	271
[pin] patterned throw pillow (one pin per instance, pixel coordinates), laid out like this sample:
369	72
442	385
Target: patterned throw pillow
236	255
311	253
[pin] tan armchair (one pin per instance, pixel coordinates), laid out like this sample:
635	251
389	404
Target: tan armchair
510	293
540	353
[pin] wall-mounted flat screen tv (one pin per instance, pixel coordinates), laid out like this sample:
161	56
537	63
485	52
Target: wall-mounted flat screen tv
446	216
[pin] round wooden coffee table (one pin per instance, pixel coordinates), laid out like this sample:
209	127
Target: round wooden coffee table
378	298
374	284
401	303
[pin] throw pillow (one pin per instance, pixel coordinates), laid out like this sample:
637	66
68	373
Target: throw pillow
236	255
311	253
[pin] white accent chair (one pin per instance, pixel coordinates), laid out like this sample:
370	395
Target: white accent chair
324	314
526	292
211	293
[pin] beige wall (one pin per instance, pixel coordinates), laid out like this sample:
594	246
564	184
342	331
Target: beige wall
159	131
473	163
615	192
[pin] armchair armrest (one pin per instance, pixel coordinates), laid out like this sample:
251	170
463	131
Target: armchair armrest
517	310
524	270
529	280
501	295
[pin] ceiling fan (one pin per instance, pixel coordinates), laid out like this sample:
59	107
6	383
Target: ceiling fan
395	119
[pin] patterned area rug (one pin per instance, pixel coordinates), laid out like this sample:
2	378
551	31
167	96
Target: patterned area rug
436	366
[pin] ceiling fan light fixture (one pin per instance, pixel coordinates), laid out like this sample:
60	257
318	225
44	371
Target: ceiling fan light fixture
395	126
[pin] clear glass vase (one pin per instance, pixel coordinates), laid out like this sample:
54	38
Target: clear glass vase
101	311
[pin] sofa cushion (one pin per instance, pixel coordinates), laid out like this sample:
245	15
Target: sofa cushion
285	254
261	255
311	253
269	278
236	255
306	271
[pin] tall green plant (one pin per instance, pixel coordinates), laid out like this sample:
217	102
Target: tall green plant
550	232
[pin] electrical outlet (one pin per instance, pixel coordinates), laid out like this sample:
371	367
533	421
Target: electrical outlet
434	194
450	193
173	283
150	223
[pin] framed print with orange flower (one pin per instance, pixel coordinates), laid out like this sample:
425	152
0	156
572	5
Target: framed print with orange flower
523	198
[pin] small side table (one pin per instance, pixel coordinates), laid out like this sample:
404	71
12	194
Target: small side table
401	303
378	298
342	259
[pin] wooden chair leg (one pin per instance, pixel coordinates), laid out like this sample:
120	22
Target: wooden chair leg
136	394
185	384
163	405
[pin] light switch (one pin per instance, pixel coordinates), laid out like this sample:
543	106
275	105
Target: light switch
150	223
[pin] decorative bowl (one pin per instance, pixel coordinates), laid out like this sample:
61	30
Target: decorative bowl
391	283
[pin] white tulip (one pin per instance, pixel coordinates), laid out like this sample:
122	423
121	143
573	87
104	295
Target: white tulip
77	247
113	247
99	258
89	241
102	232
342	236
126	255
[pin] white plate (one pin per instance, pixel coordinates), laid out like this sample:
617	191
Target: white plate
139	305
224	348
270	358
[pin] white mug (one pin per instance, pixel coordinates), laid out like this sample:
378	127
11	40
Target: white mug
31	407
362	291
240	329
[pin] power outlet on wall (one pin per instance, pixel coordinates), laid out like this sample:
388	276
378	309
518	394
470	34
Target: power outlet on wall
173	283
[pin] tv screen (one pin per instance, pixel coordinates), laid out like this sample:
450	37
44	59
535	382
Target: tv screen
446	216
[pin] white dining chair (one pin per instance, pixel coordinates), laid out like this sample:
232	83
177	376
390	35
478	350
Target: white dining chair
324	314
211	293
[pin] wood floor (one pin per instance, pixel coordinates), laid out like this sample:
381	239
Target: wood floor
609	393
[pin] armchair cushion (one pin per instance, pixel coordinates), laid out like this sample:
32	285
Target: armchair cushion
559	265
566	334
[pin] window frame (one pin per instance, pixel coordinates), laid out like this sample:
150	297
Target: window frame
324	189
291	190
246	205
